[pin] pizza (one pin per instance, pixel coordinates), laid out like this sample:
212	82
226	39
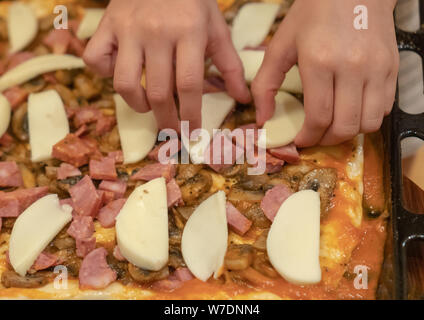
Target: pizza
89	209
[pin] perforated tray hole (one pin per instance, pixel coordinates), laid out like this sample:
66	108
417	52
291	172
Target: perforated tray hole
407	15
415	270
411	90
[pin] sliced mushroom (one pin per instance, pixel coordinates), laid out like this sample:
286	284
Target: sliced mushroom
35	85
86	87
238	257
186	172
238	170
260	242
20	123
10	279
145	276
255	214
195	187
322	181
175	233
175	257
185	211
254	182
261	264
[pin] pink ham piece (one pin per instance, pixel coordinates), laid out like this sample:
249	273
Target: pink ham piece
103	169
86	115
85	246
118	255
105	124
10	175
69	202
273	200
15	96
273	164
118	156
108	213
118	187
66	170
58	40
156	170
72	150
251	129
170	145
85	197
237	221
167	285
287	153
12	204
183	274
81	227
44	261
173	193
219	150
6	140
81	131
95	273
18	58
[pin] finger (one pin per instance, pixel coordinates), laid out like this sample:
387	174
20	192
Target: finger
100	52
226	59
190	69
348	92
159	85
318	90
373	105
280	56
127	75
390	90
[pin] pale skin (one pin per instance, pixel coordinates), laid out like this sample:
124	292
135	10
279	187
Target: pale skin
349	76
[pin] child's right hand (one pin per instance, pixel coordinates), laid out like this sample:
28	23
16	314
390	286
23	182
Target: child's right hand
156	33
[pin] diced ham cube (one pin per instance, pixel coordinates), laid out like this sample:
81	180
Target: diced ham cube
10	208
72	150
107	214
118	156
66	170
222	153
183	274
86	115
85	246
58	40
105	124
10	175
103	169
81	227
44	261
156	170
167	285
173	192
118	255
85	197
81	131
118	187
168	145
15	95
237	221
273	164
6	140
93	146
95	273
287	153
14	203
273	200
18	58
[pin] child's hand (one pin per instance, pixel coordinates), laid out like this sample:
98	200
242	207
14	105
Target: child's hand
156	33
349	75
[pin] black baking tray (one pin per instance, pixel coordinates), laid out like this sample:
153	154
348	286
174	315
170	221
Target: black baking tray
405	226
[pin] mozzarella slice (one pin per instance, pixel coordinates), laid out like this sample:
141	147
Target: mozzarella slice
204	241
142	226
34	67
90	22
252	61
215	108
22	26
252	24
286	122
294	238
137	131
4	114
47	122
34	229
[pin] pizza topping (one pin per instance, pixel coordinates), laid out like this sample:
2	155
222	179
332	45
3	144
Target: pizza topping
58	40
90	22
27	242
105	124
222	152
273	164
15	96
273	200
167	285
95	272
287	153
108	214
44	261
183	274
296	229
290	115
137	131
81	227
118	255
10	279
10	176
118	156
103	169
204	240
171	145
238	222
187	171
72	150
14	203
67	170
155	170
146	276
173	193
18	58
22	26
85	197
118	187
85	246
86	115
239	256
142	226
5	111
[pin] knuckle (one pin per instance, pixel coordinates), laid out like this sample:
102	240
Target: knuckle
153	25
355	59
123	86
187	82
345	132
321	120
157	95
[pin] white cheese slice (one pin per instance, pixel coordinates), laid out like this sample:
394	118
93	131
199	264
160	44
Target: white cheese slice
34	229
142	226
47	123
205	235
252	61
252	24
4	114
294	238
36	66
286	122
215	108
137	131
90	22
22	26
